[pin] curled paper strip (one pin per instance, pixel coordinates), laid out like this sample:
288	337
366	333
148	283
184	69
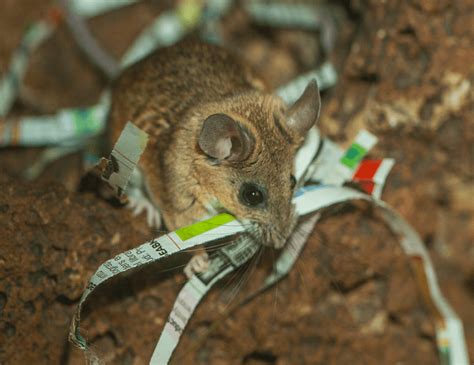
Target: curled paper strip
222	262
87	42
329	153
309	199
35	34
449	329
216	228
371	175
76	123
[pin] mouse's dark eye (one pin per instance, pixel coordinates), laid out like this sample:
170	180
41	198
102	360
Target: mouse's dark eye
292	181
251	195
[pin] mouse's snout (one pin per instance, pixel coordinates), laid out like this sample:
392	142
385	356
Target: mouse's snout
276	233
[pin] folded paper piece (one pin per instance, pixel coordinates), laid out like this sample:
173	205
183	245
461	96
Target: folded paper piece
371	175
118	169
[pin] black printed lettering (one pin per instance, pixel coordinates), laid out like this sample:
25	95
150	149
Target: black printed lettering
175	325
158	248
139	250
113	269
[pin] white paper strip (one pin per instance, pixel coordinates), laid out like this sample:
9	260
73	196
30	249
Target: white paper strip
223	262
326	76
218	227
10	82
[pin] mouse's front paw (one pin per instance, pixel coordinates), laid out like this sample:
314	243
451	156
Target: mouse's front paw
140	204
198	263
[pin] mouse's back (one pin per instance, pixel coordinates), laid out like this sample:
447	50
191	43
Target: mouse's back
162	86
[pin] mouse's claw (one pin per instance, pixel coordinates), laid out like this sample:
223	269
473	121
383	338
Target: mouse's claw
139	203
198	263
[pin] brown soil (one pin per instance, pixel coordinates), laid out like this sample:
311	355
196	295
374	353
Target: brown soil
405	74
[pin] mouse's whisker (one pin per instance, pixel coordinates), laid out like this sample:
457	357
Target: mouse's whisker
248	269
276	291
236	274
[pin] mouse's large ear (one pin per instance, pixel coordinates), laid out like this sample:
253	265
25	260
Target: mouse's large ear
305	111
223	138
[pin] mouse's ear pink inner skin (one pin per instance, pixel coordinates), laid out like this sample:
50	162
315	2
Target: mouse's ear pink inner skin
305	111
223	138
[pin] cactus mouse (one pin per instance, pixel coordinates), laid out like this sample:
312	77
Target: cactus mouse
218	140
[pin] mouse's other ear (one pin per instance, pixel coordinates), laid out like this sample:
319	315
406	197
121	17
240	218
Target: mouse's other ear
223	138
305	111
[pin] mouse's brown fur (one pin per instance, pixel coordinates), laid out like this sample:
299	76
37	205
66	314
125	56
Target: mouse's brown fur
193	165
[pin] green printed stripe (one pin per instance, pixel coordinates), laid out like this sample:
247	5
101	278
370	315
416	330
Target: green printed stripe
444	355
353	155
196	229
85	121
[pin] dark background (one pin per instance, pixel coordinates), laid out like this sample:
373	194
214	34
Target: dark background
405	70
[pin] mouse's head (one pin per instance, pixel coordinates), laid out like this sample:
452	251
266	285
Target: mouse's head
249	149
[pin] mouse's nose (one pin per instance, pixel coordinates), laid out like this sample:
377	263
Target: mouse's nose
284	227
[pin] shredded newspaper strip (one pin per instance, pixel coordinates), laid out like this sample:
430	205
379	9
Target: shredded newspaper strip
326	76
337	166
166	30
223	262
66	126
75	124
215	228
299	15
319	161
371	175
35	34
308	201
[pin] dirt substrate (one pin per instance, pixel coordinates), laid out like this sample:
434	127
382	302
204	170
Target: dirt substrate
405	73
